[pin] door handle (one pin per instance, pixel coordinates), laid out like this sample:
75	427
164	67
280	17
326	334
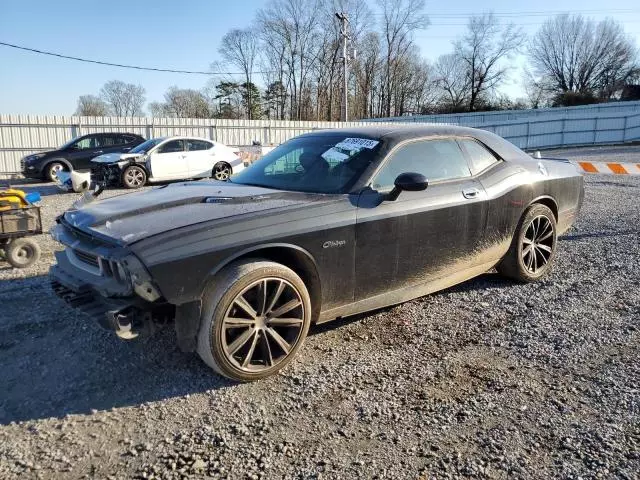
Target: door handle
470	193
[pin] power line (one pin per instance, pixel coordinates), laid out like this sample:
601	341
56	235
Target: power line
518	24
119	65
529	14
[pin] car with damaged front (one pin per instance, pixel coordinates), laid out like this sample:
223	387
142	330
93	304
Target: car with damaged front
164	159
327	225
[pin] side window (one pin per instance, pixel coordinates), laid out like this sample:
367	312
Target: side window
129	139
479	156
435	159
110	140
172	147
195	145
85	143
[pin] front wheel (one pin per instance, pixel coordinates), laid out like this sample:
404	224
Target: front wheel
221	171
52	170
134	177
533	248
255	318
22	252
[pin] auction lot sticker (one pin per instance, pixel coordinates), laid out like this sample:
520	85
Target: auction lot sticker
357	143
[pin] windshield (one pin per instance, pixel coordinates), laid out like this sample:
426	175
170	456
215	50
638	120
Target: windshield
319	164
146	146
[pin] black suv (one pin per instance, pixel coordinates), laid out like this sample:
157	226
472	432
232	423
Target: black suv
77	154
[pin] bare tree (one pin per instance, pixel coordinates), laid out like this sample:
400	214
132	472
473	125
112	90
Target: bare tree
400	19
124	99
580	56
182	103
483	47
239	48
366	69
289	28
452	78
538	91
91	106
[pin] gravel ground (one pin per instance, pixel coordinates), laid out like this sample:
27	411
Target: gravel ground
489	379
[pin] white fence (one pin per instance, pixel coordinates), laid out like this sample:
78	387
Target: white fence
475	119
21	135
567	131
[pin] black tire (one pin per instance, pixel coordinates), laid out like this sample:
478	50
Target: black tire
533	248
222	171
224	325
22	252
134	177
51	170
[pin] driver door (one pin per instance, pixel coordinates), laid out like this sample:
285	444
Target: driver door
169	161
421	236
82	151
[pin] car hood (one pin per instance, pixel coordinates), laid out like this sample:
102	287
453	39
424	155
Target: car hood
116	157
129	218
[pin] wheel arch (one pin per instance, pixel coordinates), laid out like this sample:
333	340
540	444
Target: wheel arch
547	201
292	256
141	166
137	164
64	161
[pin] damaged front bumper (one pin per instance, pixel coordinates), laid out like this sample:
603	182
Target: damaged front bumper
109	285
120	315
107	174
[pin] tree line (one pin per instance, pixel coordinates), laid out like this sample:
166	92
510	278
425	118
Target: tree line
289	66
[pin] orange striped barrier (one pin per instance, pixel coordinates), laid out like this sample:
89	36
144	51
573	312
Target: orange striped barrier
611	168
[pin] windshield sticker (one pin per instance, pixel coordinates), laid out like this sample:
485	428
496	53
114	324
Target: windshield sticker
334	155
357	143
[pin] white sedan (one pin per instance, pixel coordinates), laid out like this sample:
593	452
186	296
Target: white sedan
167	158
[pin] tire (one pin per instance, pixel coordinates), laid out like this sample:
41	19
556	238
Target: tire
533	248
22	252
222	171
52	169
134	177
229	334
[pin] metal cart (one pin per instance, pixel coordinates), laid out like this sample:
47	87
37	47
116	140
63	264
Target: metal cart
16	226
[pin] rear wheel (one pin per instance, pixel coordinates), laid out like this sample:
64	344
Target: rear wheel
52	170
255	318
22	252
533	248
221	171
134	177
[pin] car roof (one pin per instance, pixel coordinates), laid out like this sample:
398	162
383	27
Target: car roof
111	133
399	132
183	137
395	134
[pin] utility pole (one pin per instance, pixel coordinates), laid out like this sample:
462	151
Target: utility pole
345	88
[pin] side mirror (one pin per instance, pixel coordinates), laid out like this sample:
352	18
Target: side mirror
410	181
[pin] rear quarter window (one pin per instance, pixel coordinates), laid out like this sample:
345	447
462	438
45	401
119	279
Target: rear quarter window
480	158
195	145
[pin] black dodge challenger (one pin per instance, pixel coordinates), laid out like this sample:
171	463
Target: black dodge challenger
329	224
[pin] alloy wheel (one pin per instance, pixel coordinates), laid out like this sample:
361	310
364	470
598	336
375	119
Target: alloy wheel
134	177
263	324
221	172
537	244
54	170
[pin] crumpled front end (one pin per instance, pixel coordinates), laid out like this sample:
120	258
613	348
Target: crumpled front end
107	282
106	174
